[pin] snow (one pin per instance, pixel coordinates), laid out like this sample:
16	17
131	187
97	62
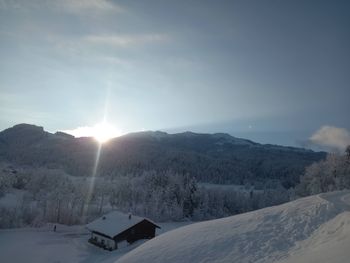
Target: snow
330	243
69	244
168	226
114	223
312	229
299	231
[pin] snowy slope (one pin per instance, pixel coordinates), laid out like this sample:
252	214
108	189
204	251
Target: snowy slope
330	243
292	232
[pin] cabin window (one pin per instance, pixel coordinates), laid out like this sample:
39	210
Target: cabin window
109	243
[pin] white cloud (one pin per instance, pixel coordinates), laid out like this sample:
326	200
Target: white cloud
93	47
78	44
331	137
8	4
71	6
125	40
84	131
78	6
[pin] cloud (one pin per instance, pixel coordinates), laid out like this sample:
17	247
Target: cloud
8	4
100	48
331	137
79	6
93	45
125	40
113	40
84	131
70	6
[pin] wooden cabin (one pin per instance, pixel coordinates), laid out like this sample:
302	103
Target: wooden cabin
115	228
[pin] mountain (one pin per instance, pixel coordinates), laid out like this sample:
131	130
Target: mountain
216	158
312	229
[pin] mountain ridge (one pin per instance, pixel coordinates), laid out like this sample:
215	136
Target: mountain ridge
218	158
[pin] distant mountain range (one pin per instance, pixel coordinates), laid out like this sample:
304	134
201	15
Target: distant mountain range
215	158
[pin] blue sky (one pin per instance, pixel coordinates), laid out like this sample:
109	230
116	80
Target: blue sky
271	71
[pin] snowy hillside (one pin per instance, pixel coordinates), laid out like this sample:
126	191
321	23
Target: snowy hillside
329	243
311	229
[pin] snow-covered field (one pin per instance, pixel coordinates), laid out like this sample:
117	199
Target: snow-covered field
312	229
68	244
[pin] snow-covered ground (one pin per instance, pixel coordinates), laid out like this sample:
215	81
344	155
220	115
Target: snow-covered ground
329	243
67	245
312	229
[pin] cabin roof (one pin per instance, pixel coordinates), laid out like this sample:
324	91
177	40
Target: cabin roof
114	223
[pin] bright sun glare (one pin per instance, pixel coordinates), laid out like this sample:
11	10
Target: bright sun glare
103	132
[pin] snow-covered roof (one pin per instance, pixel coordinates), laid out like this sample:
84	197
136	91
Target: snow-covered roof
114	223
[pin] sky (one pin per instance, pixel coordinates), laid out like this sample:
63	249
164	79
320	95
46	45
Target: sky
271	71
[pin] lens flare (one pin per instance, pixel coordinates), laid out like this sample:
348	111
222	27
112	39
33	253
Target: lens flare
104	131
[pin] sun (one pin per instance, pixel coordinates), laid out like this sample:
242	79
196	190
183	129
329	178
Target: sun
101	132
104	131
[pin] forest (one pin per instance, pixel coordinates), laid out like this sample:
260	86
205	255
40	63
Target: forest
180	177
47	195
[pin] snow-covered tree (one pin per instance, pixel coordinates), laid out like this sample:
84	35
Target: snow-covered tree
327	175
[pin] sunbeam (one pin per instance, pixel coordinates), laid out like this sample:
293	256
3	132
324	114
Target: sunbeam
92	180
103	136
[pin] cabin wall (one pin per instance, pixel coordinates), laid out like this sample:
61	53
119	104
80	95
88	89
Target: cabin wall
142	230
102	241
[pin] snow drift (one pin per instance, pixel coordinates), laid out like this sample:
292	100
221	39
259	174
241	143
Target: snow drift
330	243
268	235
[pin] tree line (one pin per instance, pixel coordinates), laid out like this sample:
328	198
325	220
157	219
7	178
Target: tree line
48	195
327	175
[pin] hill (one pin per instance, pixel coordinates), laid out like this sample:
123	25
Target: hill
215	158
312	229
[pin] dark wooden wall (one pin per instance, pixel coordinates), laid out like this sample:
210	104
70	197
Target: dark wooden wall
142	230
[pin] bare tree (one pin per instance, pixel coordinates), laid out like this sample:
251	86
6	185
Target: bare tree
347	152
